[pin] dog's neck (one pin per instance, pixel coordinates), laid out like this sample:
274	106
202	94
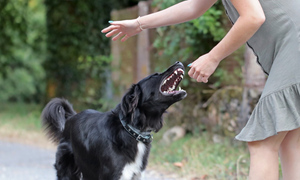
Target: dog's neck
144	137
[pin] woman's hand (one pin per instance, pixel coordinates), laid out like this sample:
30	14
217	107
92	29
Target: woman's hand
203	68
124	29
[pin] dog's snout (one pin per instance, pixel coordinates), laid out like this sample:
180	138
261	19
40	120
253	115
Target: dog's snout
178	62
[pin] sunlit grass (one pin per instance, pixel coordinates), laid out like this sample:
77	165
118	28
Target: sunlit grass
20	116
197	157
21	123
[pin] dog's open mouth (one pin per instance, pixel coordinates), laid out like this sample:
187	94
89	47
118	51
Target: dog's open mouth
170	83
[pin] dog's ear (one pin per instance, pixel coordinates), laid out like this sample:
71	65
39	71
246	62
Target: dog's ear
130	100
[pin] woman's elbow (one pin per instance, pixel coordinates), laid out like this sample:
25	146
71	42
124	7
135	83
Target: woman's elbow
259	20
255	20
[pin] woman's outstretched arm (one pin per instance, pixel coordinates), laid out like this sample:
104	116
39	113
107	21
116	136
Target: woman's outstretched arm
178	13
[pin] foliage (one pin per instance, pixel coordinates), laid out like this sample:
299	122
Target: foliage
22	49
73	29
74	37
188	40
117	4
95	69
78	58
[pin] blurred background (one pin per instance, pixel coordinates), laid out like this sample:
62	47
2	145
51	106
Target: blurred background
55	48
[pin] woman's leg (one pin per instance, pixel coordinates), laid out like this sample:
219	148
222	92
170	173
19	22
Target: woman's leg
290	155
264	158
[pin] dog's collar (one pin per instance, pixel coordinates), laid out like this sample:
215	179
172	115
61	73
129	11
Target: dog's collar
144	137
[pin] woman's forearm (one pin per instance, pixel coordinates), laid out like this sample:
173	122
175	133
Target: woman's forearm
178	13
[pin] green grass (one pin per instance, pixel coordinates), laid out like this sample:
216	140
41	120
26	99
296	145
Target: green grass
199	157
20	116
21	123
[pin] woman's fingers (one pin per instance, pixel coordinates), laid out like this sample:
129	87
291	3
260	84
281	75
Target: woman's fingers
105	30
201	78
191	72
125	38
118	36
195	75
122	29
110	28
204	79
113	32
198	76
203	68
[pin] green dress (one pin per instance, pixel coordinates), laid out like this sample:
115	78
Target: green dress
277	47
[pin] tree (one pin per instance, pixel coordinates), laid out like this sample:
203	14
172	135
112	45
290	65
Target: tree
21	50
77	63
76	48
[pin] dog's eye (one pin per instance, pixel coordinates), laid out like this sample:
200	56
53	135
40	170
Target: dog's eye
152	93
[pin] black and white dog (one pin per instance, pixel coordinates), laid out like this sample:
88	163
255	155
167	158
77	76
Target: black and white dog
112	145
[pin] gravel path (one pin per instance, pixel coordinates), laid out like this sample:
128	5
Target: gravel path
24	162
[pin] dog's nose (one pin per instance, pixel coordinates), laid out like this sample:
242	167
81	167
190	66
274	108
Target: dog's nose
178	62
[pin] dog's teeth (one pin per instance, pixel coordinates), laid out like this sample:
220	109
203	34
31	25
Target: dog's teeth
175	72
181	70
165	82
181	76
179	88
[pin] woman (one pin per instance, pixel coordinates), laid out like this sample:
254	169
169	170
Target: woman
272	29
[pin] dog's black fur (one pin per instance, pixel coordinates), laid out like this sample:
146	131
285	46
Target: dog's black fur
95	145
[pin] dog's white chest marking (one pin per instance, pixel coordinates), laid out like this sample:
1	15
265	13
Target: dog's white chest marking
134	167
